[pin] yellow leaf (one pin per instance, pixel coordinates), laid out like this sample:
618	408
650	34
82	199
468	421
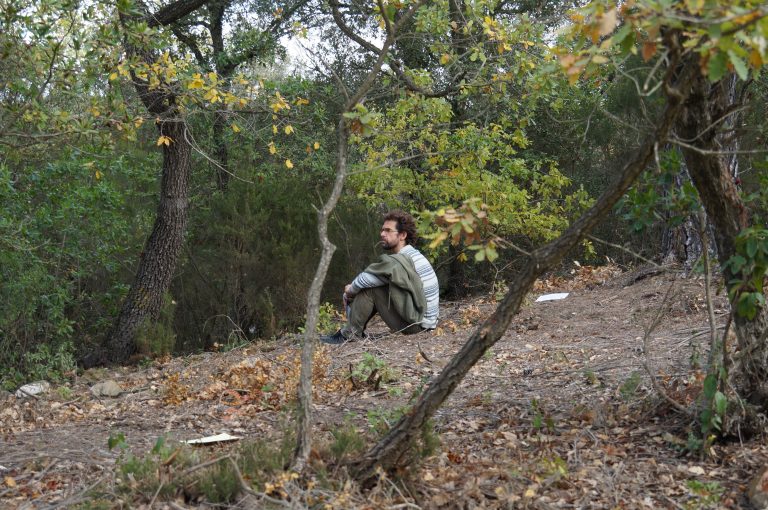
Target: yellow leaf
274	129
235	128
113	77
272	148
288	164
301	101
164	140
212	95
10	482
445	58
288	129
442	236
317	145
197	82
97	175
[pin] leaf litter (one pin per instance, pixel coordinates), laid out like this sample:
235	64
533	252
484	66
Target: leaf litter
560	413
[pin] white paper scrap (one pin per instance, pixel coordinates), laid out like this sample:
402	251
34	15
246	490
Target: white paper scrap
552	297
218	438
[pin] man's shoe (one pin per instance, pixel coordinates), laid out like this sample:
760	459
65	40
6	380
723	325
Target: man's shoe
334	339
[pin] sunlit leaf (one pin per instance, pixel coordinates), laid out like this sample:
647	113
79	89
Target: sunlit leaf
738	65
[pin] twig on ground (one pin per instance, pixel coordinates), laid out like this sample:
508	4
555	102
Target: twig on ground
78	498
646	349
159	488
423	355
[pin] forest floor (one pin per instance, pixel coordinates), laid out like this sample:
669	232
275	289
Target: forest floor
561	413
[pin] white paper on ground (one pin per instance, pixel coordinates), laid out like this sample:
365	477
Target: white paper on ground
218	438
552	297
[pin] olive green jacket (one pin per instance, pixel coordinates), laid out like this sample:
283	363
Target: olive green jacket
406	293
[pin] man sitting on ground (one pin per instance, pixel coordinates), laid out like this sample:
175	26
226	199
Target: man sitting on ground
401	287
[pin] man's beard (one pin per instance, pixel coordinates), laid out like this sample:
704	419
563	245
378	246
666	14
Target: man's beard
386	246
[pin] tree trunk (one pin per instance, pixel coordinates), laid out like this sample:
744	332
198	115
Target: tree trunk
711	162
391	450
682	243
304	391
162	249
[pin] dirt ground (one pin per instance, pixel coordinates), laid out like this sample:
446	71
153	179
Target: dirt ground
560	413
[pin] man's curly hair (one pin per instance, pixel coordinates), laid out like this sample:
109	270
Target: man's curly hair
405	223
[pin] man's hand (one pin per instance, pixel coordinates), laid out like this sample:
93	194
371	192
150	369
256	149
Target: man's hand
347	297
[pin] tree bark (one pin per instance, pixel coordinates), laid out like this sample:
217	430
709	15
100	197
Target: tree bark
393	448
682	243
162	249
711	165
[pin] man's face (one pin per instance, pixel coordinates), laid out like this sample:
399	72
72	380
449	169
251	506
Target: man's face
391	239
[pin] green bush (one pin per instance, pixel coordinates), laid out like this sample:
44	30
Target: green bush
65	229
253	252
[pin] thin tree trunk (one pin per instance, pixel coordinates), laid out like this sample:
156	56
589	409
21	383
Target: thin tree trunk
393	448
304	421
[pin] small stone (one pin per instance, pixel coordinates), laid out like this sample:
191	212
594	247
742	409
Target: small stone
106	389
31	389
758	490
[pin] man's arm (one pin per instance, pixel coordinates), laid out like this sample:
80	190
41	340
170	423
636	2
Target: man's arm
363	281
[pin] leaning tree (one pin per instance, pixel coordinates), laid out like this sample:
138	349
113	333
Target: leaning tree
691	69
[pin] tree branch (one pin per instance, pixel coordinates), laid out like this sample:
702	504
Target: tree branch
174	11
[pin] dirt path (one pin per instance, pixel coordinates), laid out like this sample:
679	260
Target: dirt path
559	414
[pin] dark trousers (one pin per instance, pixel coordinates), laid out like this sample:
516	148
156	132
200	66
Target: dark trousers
367	303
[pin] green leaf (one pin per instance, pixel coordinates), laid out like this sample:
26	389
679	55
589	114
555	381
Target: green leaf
751	247
746	306
706	421
736	263
480	256
739	65
721	403
710	386
159	445
628	43
622	33
717	66
116	440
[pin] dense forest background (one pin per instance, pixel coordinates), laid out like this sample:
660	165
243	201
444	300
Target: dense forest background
213	125
188	176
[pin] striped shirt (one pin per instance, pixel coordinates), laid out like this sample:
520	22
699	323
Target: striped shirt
428	281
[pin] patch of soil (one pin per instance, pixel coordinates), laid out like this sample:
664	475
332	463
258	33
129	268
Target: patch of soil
560	413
